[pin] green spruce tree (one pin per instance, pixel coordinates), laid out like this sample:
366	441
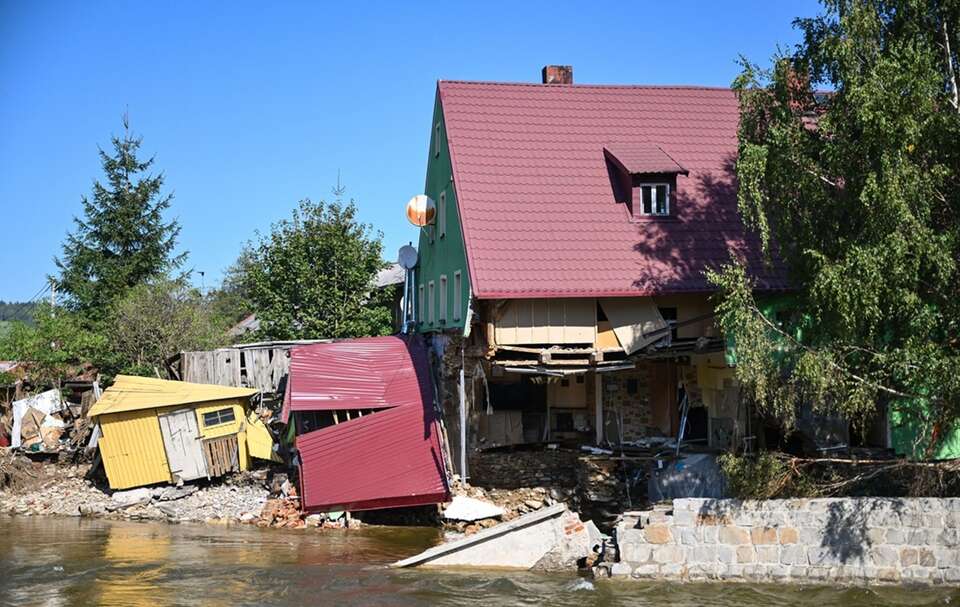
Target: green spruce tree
122	239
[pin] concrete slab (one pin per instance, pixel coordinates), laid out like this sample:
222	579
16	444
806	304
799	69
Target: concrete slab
517	544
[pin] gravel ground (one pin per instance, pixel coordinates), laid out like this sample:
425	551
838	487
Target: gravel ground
64	491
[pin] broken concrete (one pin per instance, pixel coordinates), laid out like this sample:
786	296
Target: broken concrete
552	538
133	497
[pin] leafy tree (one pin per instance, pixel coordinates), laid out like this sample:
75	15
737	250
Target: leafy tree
123	238
57	344
313	276
157	319
231	301
849	169
13	310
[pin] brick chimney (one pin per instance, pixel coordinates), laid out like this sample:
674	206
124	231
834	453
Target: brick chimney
557	74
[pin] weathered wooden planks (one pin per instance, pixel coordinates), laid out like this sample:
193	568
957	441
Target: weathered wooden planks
222	455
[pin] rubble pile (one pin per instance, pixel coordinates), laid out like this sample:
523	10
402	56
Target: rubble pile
18	473
282	512
514	502
67	491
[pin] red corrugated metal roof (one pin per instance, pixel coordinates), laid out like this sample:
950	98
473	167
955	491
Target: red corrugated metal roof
385	459
538	211
365	373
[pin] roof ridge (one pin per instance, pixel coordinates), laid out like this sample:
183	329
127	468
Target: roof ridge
695	87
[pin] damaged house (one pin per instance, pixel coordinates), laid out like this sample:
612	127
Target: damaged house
561	281
159	431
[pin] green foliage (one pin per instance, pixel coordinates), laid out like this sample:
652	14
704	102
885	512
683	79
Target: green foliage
857	191
761	477
122	239
151	322
231	302
312	277
16	310
157	319
57	344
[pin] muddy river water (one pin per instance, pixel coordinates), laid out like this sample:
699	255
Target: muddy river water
62	561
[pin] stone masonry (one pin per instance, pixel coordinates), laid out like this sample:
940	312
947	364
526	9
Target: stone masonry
844	540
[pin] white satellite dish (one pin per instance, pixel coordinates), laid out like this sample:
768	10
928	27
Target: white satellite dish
407	257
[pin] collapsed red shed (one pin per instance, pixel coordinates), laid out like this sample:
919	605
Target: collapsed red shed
389	457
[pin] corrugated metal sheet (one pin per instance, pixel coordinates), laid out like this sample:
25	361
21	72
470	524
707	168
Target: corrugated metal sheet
385	459
129	393
132	449
366	373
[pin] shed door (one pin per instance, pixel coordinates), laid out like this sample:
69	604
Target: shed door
181	439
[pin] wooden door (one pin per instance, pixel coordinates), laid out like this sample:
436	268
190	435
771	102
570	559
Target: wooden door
181	440
664	410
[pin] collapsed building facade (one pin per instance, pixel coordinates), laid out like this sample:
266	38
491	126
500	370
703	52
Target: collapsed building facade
561	279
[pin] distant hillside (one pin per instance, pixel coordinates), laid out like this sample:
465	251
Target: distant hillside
16	310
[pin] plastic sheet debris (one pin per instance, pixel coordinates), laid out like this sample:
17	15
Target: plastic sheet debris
463	508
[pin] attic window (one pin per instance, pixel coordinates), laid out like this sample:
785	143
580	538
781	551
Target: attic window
654	199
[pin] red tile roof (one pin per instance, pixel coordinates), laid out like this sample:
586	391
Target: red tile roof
644	158
536	202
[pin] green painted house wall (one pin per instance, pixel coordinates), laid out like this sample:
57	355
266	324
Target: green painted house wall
910	435
441	248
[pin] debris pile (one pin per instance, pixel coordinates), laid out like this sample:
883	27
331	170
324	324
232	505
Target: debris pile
281	512
17	473
48	423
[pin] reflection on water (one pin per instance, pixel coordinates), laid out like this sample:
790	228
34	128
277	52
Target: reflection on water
55	561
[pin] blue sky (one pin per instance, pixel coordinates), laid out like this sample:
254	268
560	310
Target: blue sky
249	107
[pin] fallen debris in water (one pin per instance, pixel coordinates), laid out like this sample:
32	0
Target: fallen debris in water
552	538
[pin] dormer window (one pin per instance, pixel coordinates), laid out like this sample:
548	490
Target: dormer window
654	198
644	177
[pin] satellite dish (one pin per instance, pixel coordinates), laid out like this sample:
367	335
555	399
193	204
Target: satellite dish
407	257
421	210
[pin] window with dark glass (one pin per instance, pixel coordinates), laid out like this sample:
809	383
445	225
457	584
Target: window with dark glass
670	316
220	416
655	199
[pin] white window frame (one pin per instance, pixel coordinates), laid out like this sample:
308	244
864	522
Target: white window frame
443	299
457	294
436	140
420	304
431	302
653	199
442	214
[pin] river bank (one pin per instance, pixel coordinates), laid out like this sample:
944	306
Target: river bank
65	491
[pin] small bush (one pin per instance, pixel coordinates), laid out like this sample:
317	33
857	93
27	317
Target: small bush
763	476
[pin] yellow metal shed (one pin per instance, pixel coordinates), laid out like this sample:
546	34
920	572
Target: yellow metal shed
160	431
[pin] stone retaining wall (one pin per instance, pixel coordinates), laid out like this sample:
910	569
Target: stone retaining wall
853	540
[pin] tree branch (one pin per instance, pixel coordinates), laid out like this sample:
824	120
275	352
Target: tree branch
854	376
948	58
